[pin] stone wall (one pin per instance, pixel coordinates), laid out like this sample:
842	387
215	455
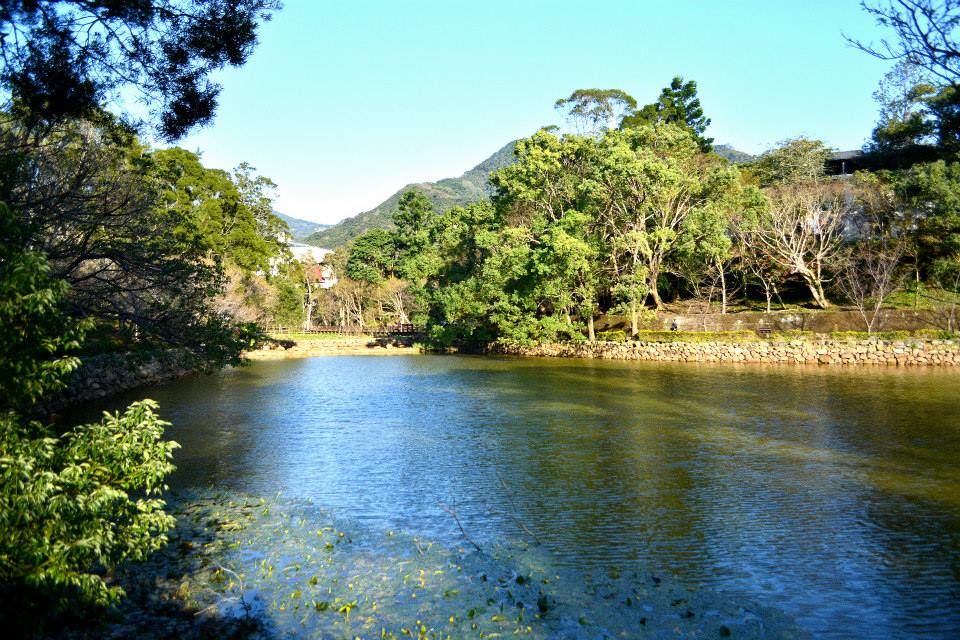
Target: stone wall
106	374
825	352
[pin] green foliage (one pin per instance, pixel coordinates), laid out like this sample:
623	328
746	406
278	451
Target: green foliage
935	334
792	161
287	309
36	336
863	335
232	217
372	257
86	500
616	335
696	336
679	105
934	191
55	66
83	501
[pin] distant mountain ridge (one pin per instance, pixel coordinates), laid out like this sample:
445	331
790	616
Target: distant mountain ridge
300	228
445	194
733	155
472	186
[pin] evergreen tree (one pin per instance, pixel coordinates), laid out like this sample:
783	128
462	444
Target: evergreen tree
678	104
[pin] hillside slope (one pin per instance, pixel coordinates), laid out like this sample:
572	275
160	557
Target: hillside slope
300	228
733	155
444	194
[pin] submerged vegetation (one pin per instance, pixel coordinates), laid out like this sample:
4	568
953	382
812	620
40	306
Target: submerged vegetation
280	568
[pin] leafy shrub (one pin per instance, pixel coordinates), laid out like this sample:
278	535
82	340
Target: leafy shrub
863	335
616	335
697	336
793	334
86	500
935	334
75	504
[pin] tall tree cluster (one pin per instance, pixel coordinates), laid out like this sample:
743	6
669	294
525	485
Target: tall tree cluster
633	211
106	244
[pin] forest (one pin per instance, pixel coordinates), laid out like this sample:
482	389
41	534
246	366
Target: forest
632	210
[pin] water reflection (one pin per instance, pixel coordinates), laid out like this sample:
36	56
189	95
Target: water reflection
832	494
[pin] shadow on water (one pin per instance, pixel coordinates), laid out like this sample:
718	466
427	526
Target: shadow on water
831	494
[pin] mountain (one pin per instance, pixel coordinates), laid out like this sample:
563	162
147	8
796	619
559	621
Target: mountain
444	194
300	229
731	154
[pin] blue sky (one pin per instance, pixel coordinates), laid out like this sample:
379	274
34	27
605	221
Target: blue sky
345	102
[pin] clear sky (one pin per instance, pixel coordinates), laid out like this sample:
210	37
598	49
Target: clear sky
345	102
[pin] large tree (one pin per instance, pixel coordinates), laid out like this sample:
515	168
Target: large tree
64	58
678	104
593	111
655	183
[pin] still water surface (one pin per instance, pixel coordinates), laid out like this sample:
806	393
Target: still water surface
833	495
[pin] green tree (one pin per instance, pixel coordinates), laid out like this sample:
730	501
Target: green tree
933	191
212	209
65	58
678	104
138	255
791	162
37	336
656	183
74	504
593	111
372	257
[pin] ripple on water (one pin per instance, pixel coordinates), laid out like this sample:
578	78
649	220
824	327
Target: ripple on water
833	495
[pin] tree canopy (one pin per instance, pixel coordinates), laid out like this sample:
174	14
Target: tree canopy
678	104
65	58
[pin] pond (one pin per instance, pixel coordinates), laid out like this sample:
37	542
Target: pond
832	495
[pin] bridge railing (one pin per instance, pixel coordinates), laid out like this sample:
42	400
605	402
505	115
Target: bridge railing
387	330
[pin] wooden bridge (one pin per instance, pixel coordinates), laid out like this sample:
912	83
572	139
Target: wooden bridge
387	331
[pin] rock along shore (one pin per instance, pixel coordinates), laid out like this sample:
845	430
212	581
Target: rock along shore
107	374
904	353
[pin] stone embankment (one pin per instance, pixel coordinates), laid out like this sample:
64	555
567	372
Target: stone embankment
360	345
825	352
106	374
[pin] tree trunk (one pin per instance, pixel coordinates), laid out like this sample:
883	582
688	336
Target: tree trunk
816	290
634	330
916	288
654	293
766	292
776	292
723	288
591	336
308	321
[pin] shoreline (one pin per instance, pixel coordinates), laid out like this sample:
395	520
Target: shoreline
359	346
827	352
908	352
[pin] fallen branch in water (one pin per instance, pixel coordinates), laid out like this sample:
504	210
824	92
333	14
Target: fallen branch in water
513	507
452	511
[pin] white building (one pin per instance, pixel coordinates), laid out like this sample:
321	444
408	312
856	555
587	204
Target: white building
312	258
